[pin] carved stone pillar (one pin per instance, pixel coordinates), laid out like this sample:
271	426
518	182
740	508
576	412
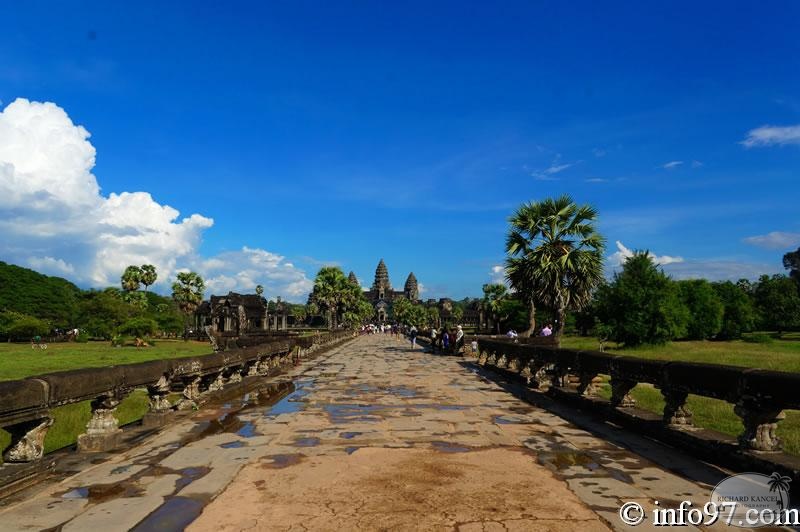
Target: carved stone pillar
160	408
236	376
675	410
502	362
620	392
482	356
27	440
217	384
588	384
491	359
191	393
252	369
513	365
760	423
102	431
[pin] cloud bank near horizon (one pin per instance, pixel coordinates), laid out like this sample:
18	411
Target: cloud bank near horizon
54	218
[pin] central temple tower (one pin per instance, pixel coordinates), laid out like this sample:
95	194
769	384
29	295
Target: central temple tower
382	287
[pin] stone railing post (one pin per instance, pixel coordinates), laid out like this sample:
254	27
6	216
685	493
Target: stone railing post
160	408
676	412
236	375
587	383
191	393
27	440
102	431
620	392
217	383
760	423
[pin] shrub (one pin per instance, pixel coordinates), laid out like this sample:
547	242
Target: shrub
738	315
26	327
758	338
140	327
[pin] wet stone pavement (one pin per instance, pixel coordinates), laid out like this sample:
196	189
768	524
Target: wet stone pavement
369	436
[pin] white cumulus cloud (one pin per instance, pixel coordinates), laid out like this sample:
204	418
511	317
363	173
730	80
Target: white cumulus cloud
498	274
772	135
623	253
774	240
54	219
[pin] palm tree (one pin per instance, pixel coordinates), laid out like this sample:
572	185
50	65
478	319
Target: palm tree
131	278
493	295
187	291
555	256
147	275
780	484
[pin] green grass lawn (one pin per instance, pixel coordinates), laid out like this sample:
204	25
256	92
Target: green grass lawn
780	355
19	360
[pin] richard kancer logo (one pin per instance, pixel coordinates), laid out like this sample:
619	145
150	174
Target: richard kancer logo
747	500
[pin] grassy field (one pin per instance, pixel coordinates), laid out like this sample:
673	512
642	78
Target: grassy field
781	355
19	360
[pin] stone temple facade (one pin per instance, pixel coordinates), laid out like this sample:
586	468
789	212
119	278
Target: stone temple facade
381	294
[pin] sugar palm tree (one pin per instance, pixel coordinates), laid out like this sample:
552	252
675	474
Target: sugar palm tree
148	275
187	291
493	295
131	278
555	256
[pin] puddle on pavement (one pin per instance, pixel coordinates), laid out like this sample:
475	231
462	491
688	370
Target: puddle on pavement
232	444
567	459
351	450
447	447
292	402
189	475
349	435
279	461
99	493
175	514
306	442
247	431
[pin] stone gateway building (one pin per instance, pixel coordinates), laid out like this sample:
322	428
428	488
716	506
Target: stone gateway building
381	295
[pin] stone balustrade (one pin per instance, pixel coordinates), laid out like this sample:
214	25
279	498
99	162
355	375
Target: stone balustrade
26	404
759	396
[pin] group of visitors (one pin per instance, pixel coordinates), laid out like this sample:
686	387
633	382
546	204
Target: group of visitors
383	328
447	340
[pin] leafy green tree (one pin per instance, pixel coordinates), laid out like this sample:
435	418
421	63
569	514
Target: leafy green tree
642	305
131	278
705	308
493	296
778	303
102	312
148	275
738	313
555	256
138	300
791	261
338	298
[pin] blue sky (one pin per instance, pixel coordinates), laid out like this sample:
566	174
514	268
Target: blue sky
332	132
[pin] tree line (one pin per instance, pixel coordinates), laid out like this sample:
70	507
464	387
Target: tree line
554	267
32	304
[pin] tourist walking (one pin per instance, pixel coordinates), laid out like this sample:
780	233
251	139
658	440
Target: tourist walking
433	339
412	334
